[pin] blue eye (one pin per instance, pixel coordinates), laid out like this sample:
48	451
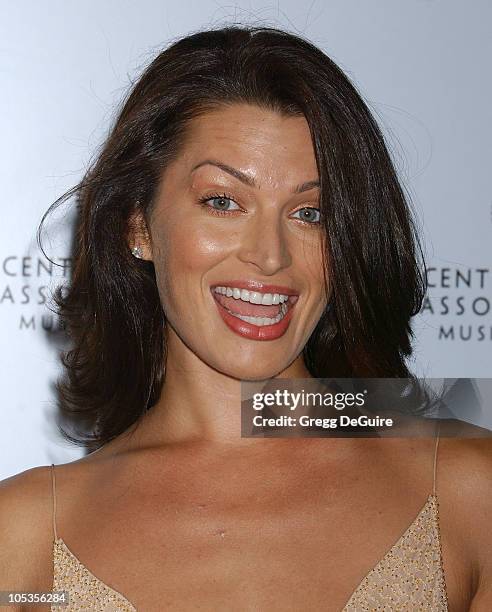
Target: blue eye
219	203
308	215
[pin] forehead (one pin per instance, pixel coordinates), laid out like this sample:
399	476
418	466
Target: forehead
271	147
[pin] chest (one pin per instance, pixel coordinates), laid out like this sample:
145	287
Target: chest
262	554
291	533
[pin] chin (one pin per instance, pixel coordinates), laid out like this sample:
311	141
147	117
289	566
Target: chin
252	372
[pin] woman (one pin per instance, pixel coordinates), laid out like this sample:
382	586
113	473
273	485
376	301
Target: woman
243	163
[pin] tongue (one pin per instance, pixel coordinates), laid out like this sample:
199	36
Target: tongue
246	308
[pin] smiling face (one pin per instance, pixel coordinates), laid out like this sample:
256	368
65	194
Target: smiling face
236	243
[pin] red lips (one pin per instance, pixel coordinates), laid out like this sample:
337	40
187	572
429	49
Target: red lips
249	330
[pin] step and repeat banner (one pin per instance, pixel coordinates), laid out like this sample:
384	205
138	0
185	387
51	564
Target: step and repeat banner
423	67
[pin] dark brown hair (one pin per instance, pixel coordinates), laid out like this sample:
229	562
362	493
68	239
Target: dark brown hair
116	365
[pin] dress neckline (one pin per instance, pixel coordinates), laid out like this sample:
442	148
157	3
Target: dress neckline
61	542
430	501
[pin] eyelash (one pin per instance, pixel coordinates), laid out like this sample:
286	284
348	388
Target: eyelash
224	196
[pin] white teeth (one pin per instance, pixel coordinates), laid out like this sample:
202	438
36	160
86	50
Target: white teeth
254	297
262	321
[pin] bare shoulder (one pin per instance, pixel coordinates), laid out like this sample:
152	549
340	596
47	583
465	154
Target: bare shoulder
26	530
465	468
464	484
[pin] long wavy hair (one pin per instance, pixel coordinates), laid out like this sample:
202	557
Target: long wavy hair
115	367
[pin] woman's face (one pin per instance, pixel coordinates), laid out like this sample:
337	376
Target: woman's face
236	243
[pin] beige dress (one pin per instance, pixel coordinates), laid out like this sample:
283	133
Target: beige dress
409	577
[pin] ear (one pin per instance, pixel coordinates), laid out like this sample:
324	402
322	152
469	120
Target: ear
139	235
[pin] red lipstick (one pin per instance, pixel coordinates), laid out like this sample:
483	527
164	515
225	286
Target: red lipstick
250	330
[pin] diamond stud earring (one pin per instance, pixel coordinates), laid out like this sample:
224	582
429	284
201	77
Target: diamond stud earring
137	252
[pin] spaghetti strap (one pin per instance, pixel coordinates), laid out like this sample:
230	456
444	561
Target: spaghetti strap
435	459
54	499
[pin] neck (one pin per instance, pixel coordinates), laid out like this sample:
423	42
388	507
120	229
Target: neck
198	403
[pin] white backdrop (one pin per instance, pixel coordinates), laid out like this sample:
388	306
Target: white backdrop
424	68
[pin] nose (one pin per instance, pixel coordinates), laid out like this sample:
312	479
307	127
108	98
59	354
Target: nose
263	244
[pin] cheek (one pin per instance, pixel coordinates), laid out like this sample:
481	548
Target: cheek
182	254
311	262
195	248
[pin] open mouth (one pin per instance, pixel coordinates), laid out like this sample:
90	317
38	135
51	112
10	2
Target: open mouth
254	307
253	313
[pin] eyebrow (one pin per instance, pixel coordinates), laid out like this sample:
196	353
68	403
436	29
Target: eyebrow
247	180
